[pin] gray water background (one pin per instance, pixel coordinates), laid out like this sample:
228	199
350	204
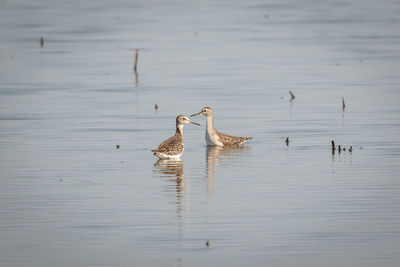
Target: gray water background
68	197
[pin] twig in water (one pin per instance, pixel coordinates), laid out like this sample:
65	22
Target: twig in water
136	79
136	59
343	104
333	147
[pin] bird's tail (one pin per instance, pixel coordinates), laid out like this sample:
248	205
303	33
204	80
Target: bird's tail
245	139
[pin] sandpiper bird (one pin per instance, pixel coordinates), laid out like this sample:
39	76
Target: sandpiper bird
173	147
213	137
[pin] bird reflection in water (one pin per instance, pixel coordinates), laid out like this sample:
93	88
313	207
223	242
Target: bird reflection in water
220	156
172	172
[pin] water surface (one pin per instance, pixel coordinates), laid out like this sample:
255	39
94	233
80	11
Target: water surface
68	197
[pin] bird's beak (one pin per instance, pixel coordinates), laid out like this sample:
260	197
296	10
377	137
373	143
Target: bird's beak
198	113
192	122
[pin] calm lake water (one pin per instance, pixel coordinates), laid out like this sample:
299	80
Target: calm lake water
68	197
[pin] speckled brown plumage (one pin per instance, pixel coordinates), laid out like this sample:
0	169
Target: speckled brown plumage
172	146
229	140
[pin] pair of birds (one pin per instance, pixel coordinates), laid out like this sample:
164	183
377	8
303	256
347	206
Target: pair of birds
173	147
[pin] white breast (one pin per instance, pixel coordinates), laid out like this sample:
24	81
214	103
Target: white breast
166	156
212	139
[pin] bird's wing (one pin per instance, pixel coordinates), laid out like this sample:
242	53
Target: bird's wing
227	139
170	146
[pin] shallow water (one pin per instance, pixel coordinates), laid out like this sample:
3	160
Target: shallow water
68	197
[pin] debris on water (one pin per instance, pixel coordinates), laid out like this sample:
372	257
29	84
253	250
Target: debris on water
208	243
155	106
117	146
287	141
343	104
361	147
61	180
292	96
41	41
266	16
340	148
